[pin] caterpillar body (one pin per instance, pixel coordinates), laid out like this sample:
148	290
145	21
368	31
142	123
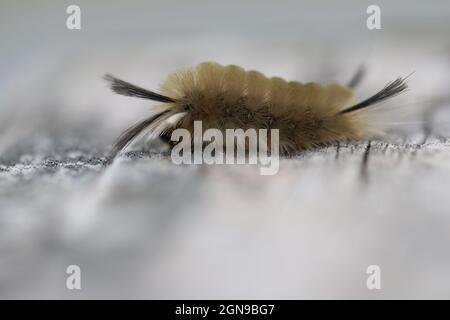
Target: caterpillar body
308	115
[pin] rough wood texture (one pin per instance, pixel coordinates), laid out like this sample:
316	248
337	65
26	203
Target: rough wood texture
146	228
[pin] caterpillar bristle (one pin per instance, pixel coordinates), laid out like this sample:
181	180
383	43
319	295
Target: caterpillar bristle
357	77
127	89
131	133
390	90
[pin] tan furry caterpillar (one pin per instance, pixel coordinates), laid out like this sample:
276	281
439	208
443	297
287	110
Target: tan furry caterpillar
228	97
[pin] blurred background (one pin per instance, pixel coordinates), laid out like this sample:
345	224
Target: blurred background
145	228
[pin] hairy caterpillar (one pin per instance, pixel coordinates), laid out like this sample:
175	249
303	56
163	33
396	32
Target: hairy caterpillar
228	97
